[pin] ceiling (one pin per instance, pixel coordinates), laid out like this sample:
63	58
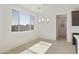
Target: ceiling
38	8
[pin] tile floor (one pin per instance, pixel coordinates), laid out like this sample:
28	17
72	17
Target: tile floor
59	46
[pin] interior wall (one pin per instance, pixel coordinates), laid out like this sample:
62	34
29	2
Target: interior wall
48	30
8	39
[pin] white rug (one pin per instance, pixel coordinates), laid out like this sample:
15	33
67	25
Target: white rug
39	48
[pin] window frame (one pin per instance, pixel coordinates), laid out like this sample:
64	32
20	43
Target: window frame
19	21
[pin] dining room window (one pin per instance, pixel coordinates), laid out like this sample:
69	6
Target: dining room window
22	21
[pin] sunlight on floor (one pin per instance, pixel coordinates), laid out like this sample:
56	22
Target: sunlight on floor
39	48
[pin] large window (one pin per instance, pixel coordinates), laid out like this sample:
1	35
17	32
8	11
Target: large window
22	21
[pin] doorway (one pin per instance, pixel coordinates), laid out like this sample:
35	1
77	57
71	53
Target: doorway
61	27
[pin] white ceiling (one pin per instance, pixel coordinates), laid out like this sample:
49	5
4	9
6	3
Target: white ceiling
49	7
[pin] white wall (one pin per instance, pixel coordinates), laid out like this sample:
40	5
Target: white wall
70	29
8	39
48	30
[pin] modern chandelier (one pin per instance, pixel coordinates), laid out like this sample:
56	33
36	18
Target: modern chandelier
43	18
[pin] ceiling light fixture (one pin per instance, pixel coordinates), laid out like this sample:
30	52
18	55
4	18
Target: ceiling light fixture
43	18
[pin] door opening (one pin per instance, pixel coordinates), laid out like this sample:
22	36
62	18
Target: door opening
61	27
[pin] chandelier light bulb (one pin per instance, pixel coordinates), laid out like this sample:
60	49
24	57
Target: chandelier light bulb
39	20
48	20
43	19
